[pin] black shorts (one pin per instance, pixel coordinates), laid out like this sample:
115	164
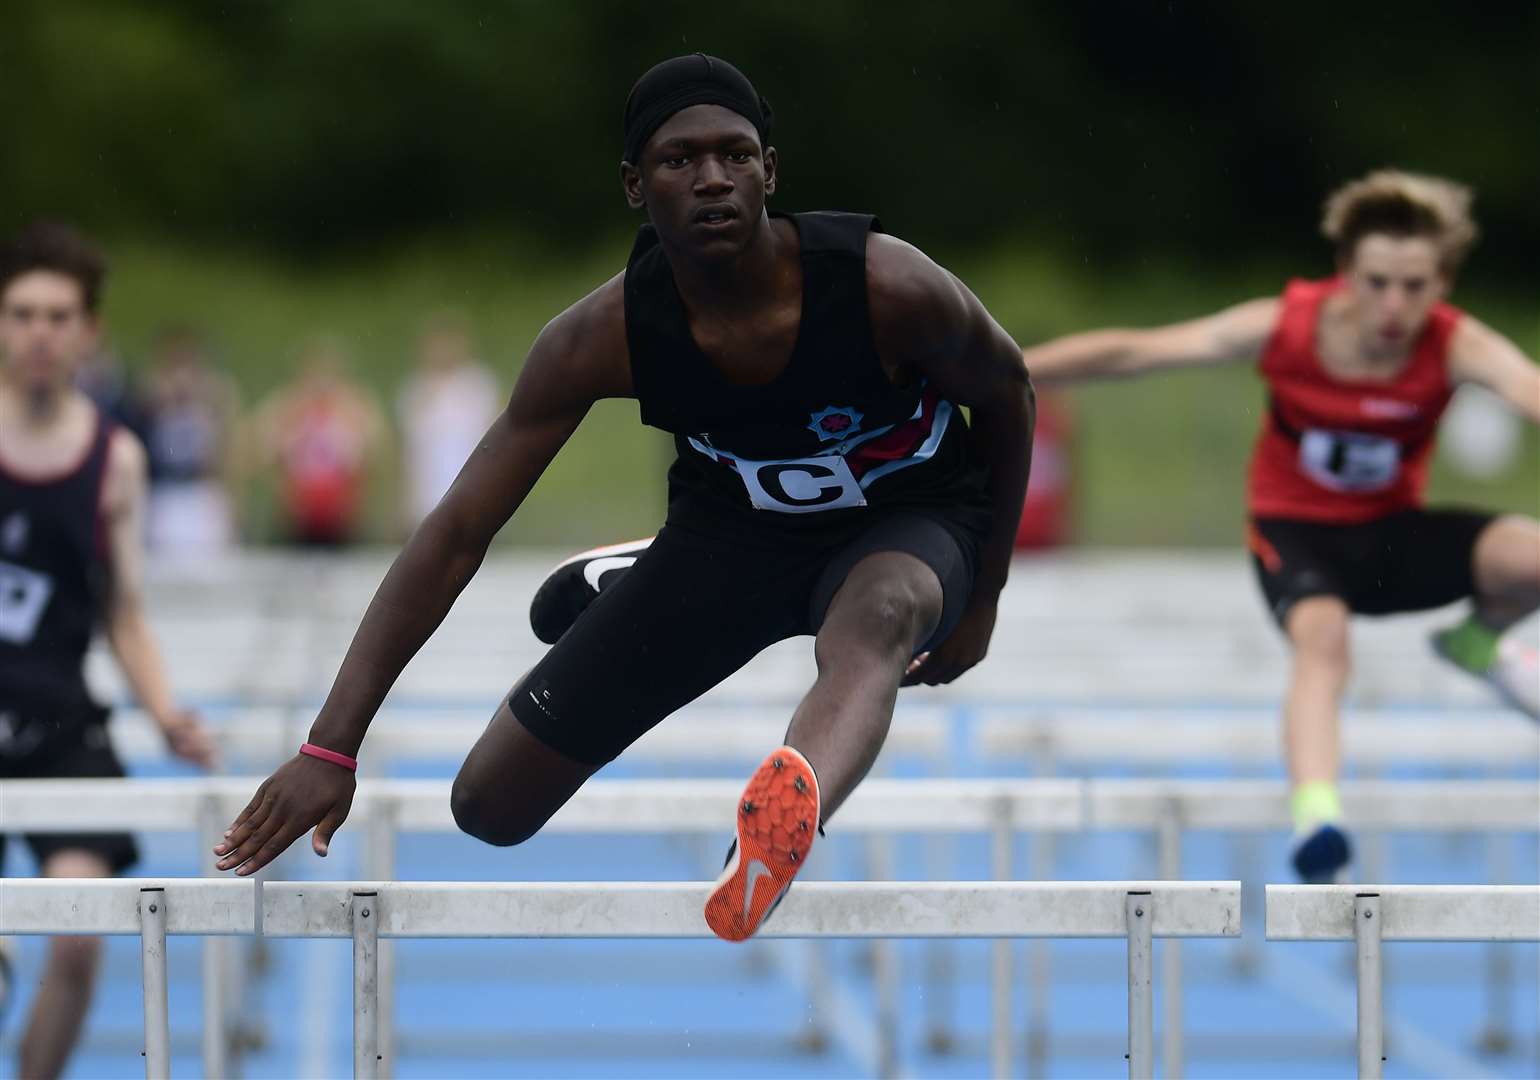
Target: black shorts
1407	561
695	608
35	747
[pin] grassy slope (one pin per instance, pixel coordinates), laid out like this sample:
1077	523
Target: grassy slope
1159	461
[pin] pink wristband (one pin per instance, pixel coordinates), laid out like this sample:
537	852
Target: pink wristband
312	750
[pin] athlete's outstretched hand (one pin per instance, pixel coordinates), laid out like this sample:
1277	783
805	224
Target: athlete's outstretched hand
189	739
305	793
965	646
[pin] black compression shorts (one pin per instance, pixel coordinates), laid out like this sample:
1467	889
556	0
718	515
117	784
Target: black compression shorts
36	746
1407	561
695	608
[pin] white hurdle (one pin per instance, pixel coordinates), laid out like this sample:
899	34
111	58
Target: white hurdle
880	807
1137	911
151	908
1371	914
369	911
386	808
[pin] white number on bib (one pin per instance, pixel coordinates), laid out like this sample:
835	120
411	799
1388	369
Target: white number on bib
23	598
1349	461
801	486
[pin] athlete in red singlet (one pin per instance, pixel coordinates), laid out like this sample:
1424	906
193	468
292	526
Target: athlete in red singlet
322	433
1359	368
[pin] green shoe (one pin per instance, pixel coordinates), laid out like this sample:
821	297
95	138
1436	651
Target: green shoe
1505	663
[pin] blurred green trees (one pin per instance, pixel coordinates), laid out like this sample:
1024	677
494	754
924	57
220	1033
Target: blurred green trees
271	168
1102	130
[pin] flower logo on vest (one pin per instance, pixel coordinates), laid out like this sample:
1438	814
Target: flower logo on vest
13	533
836	422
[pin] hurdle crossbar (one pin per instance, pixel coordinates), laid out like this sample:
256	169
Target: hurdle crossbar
441	734
1371	914
880	805
1385	805
1412	912
200	906
703	806
866	909
1474	737
1250	736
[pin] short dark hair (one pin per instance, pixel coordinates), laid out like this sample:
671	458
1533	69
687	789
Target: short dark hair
51	245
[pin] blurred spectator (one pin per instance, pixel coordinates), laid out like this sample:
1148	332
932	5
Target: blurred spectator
1049	505
190	416
443	409
104	379
323	432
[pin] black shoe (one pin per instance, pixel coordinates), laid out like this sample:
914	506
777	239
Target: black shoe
571	587
1320	856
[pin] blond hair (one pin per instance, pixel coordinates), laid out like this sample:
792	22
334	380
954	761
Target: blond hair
1402	204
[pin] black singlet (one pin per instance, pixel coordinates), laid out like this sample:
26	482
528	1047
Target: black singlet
828	438
52	578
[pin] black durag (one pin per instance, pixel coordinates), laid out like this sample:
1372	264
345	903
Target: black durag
677	84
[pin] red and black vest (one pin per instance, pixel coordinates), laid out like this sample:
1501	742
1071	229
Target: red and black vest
1345	451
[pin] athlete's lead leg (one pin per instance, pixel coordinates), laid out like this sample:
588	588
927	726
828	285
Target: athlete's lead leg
887	608
888	605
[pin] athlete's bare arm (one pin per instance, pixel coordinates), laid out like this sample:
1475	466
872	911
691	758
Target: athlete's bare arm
127	630
928	324
579	358
1236	333
1478	354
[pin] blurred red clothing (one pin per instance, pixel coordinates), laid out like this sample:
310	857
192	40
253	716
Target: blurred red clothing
1045	515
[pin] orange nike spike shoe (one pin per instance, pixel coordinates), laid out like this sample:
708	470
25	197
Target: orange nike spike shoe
777	822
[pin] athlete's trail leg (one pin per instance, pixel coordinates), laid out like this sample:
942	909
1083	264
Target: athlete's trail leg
888	606
511	783
68	981
1317	627
1507	571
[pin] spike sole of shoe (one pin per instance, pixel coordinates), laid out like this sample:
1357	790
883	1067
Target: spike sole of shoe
777	823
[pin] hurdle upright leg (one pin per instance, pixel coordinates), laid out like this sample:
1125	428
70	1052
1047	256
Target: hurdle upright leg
381	857
152	952
1002	841
215	954
1371	1033
1138	910
366	985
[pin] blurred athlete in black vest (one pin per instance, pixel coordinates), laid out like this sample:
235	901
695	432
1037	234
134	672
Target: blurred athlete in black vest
811	369
72	498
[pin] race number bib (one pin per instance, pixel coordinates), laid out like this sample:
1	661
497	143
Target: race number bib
803	485
23	599
1348	461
